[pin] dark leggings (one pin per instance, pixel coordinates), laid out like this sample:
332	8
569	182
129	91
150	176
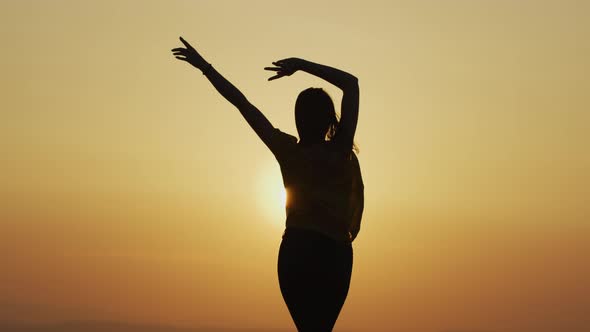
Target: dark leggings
314	276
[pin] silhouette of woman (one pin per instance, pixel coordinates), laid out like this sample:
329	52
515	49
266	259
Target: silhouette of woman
324	187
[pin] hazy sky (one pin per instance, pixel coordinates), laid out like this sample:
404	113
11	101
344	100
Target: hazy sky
131	191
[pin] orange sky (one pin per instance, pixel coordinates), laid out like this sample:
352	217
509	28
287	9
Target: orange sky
131	191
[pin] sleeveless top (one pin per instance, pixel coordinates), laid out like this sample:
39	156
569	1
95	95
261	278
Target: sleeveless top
325	190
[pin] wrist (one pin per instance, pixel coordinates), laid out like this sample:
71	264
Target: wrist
302	64
206	68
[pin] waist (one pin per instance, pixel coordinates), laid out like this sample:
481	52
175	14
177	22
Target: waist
310	235
334	228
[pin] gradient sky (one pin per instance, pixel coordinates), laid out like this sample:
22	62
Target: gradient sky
131	191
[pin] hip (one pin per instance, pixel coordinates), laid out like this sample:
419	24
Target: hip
305	242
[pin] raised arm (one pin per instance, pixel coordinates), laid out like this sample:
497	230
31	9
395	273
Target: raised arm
253	116
343	80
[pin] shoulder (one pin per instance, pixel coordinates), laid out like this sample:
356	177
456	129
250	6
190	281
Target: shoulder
278	135
341	152
281	143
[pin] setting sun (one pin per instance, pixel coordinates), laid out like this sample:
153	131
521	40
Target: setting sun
272	196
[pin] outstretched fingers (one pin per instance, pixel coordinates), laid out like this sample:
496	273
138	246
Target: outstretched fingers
179	51
279	72
185	43
279	75
286	65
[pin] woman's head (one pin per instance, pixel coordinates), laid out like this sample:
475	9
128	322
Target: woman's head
315	115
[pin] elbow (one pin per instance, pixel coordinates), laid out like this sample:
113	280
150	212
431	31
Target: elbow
352	81
241	102
352	84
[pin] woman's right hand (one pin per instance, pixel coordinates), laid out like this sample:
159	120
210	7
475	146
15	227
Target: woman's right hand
285	67
190	55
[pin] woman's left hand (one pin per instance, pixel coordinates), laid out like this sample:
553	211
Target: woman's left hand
190	55
285	67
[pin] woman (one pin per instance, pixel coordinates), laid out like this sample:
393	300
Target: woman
324	187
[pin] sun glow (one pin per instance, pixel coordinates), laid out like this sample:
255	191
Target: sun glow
272	196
